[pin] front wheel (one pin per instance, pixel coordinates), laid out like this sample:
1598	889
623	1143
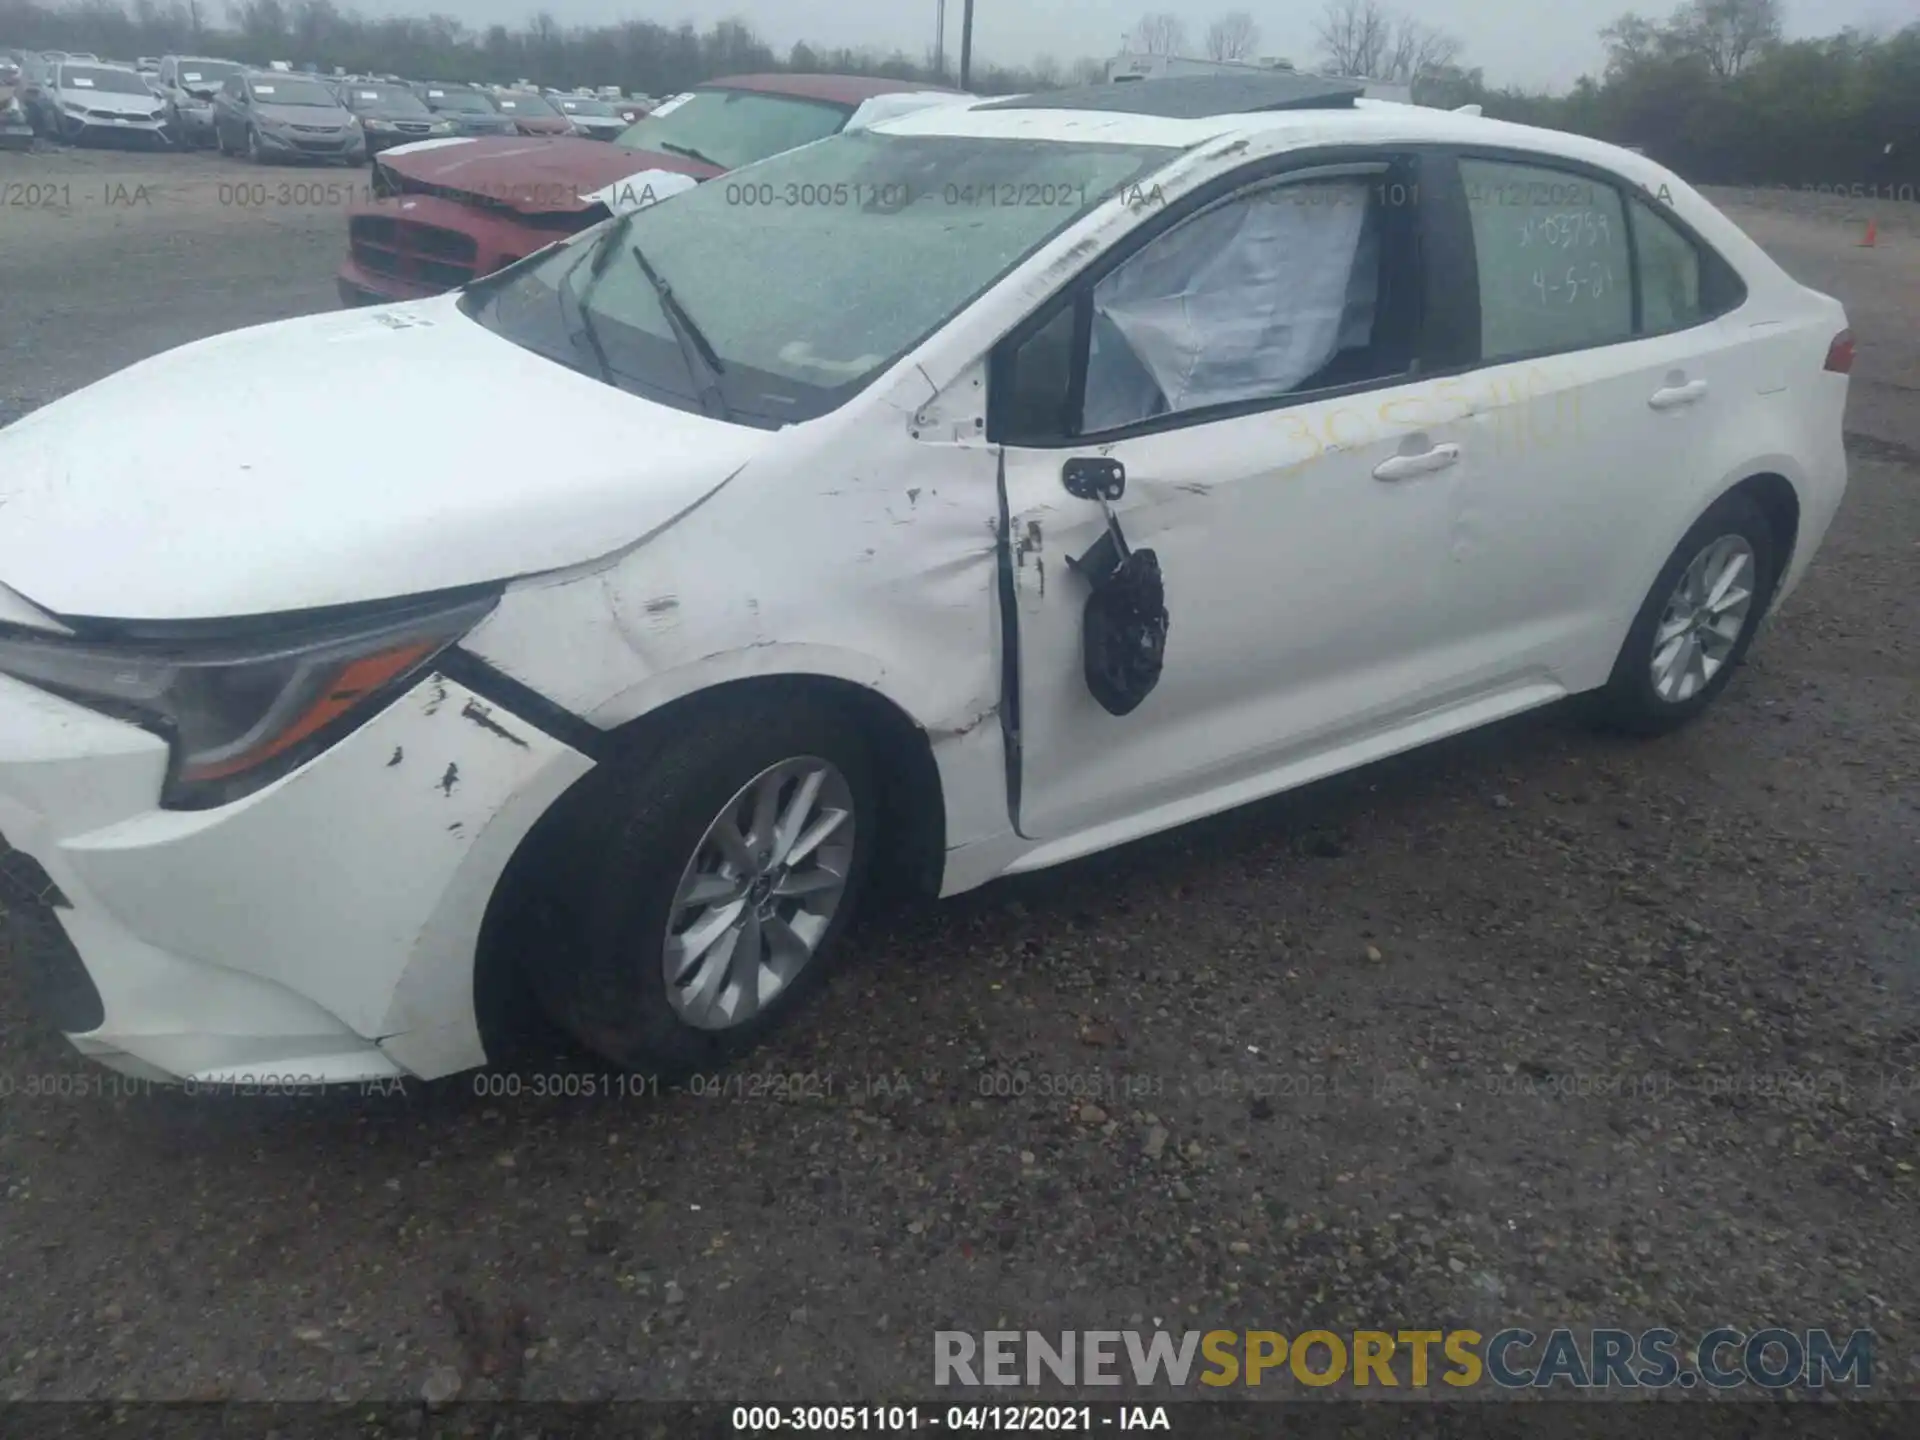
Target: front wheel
1697	622
254	152
718	871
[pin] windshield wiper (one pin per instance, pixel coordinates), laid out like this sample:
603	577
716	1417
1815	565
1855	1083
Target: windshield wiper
702	361
596	262
690	153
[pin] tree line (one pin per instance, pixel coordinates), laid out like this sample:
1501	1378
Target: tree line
1713	90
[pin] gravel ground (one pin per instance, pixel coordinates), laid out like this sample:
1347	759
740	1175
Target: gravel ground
1533	1028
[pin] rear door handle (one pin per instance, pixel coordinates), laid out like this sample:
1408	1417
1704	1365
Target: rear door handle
1672	397
1405	467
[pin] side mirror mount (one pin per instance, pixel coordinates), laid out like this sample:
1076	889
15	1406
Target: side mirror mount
1089	478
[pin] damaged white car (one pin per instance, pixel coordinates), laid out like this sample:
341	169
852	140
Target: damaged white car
965	494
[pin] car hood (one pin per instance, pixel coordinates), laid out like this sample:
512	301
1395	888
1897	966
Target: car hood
531	174
353	456
304	115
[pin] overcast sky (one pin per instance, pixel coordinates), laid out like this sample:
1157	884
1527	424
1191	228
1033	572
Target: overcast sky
1536	43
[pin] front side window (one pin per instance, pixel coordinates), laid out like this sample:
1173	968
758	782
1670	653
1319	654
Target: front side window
1271	293
1554	262
730	128
813	271
1297	286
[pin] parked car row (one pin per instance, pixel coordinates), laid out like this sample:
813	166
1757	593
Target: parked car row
473	208
240	109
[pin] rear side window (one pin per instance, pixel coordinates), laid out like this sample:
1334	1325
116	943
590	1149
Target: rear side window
1554	259
1670	279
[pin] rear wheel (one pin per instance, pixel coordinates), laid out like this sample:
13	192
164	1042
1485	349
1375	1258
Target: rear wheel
1696	623
720	869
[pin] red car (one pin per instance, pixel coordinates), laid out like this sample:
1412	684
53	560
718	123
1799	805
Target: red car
533	114
446	212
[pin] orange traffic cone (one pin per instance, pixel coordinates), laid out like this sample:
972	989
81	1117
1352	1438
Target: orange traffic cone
1867	240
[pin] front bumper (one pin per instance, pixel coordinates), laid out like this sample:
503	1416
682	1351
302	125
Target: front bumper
321	930
378	140
194	127
412	247
284	146
79	129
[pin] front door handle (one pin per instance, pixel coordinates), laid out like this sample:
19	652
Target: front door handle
1672	397
1405	467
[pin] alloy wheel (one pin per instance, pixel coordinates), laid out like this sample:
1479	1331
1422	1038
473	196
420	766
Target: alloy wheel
759	893
1703	619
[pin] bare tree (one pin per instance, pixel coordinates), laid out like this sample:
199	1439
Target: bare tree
1162	33
1415	51
1727	34
1232	37
1360	37
1354	35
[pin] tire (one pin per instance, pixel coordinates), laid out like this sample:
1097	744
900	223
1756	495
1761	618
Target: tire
1632	699
594	948
254	152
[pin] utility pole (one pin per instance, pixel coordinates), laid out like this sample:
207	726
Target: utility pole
940	38
966	45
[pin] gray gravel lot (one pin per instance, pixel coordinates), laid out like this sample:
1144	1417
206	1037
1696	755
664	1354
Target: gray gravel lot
1534	1028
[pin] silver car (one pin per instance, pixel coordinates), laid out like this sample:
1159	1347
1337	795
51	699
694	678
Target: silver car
591	117
94	102
274	115
190	82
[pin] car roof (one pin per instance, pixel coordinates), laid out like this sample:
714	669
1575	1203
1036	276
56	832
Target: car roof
1193	97
842	89
1354	121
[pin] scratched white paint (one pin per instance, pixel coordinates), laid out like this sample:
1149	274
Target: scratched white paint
1320	616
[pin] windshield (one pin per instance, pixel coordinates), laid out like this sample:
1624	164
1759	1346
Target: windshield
467	102
731	128
284	91
813	271
206	74
521	102
585	107
95	77
383	100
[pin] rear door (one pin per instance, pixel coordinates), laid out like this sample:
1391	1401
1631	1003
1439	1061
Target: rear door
1605	368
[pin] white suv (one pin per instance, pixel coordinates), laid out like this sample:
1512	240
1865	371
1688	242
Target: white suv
971	492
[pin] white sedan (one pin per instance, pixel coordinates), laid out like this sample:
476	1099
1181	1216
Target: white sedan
964	494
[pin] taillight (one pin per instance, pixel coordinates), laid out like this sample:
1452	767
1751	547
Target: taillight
1840	353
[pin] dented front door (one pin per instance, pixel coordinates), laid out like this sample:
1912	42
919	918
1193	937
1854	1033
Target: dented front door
1300	590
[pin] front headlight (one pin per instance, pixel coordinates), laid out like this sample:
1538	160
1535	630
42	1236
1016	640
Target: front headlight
440	127
241	711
